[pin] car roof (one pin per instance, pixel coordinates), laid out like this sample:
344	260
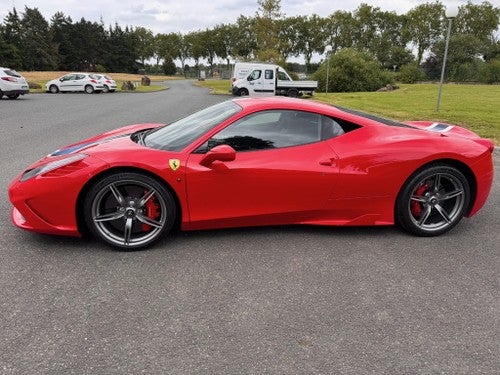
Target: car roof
348	114
283	103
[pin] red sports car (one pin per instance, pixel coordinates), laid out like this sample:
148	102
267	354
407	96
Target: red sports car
253	162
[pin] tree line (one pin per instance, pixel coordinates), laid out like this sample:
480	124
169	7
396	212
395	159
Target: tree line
29	42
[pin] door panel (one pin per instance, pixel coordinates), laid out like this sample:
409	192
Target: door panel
273	186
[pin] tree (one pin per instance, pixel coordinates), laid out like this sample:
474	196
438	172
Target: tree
184	51
289	43
10	40
211	46
266	29
463	57
61	29
424	27
9	55
245	46
339	30
167	47
145	43
121	49
480	20
38	49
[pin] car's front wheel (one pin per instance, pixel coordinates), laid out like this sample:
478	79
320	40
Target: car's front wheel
53	89
13	96
243	92
129	210
433	200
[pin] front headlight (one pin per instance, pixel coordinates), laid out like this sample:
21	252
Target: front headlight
51	166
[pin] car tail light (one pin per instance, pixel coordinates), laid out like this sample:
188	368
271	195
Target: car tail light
10	79
108	81
93	81
233	79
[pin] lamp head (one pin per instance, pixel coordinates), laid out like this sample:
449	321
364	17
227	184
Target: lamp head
451	12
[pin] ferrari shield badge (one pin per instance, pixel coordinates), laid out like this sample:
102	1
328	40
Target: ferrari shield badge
174	164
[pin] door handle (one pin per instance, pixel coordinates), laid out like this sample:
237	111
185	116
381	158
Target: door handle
328	162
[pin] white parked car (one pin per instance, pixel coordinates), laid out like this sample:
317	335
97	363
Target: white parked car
12	84
87	82
108	83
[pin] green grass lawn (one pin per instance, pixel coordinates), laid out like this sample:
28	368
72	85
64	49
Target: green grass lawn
476	107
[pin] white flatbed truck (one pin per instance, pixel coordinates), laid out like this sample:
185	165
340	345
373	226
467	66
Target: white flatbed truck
257	79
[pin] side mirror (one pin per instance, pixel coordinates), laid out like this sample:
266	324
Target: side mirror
218	153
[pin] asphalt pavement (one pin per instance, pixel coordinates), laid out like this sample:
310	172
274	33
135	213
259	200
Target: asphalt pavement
274	300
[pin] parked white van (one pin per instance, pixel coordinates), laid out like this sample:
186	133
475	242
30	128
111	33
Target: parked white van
259	79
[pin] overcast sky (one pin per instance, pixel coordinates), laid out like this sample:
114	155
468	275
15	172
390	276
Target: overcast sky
165	16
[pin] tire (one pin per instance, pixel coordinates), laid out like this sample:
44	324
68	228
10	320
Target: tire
129	211
13	96
54	89
292	93
433	200
89	89
105	89
242	92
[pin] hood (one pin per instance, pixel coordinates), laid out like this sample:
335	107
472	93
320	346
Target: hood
103	138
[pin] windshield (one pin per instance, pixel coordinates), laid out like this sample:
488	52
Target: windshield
176	136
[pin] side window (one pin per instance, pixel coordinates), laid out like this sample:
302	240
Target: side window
68	77
282	76
80	76
255	75
330	128
270	129
269	74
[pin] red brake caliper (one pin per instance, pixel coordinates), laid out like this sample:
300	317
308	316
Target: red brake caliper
152	211
416	207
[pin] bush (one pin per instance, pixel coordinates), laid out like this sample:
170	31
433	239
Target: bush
410	73
490	71
352	71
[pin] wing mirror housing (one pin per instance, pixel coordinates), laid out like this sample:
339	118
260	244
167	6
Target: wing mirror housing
218	153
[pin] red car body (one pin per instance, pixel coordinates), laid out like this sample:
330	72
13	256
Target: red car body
352	179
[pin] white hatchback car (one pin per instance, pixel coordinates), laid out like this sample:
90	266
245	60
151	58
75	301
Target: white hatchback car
12	84
108	83
86	82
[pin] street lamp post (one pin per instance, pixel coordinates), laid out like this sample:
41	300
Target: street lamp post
450	13
328	49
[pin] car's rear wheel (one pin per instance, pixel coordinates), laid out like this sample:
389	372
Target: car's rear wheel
129	210
433	200
13	96
53	89
89	89
105	89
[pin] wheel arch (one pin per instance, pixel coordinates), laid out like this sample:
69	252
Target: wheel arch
461	166
80	219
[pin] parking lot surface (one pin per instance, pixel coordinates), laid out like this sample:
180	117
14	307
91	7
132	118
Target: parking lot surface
274	300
